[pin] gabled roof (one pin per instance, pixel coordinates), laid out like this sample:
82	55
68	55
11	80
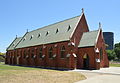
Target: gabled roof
89	39
57	32
14	43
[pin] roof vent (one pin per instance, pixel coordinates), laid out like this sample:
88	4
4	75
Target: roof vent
47	33
39	35
31	37
69	28
13	44
57	31
24	39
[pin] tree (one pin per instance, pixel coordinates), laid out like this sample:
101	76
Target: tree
2	57
2	53
111	54
117	50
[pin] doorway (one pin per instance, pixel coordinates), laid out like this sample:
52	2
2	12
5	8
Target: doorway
86	61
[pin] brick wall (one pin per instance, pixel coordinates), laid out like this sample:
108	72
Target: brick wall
56	62
81	27
101	44
91	53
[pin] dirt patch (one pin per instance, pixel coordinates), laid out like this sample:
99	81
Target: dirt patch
39	76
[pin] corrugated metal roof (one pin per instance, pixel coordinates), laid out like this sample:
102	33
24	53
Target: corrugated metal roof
57	32
88	39
14	43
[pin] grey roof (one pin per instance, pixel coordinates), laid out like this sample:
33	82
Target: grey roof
57	32
14	43
89	39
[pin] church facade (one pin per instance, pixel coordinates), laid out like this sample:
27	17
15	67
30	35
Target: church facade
66	44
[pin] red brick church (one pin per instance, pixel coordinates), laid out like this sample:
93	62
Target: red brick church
66	44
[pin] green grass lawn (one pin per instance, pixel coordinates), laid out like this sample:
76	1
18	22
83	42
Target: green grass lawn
18	74
115	65
10	67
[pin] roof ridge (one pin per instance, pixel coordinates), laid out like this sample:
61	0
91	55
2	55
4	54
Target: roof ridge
55	23
91	31
19	37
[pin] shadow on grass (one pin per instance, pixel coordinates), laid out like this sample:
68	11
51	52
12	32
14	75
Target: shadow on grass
37	67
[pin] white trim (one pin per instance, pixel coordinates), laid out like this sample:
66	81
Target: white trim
74	55
96	50
72	43
54	55
98	60
97	37
34	56
43	56
27	56
68	55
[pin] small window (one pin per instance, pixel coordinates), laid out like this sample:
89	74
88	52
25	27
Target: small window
69	28
47	33
50	52
57	31
39	35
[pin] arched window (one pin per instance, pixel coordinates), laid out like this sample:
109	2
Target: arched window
101	54
28	52
40	53
50	52
21	53
24	56
18	53
9	54
32	53
86	61
62	52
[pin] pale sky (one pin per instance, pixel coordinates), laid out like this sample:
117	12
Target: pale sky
16	16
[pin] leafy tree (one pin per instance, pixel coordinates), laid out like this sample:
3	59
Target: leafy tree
111	54
2	53
2	58
117	50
